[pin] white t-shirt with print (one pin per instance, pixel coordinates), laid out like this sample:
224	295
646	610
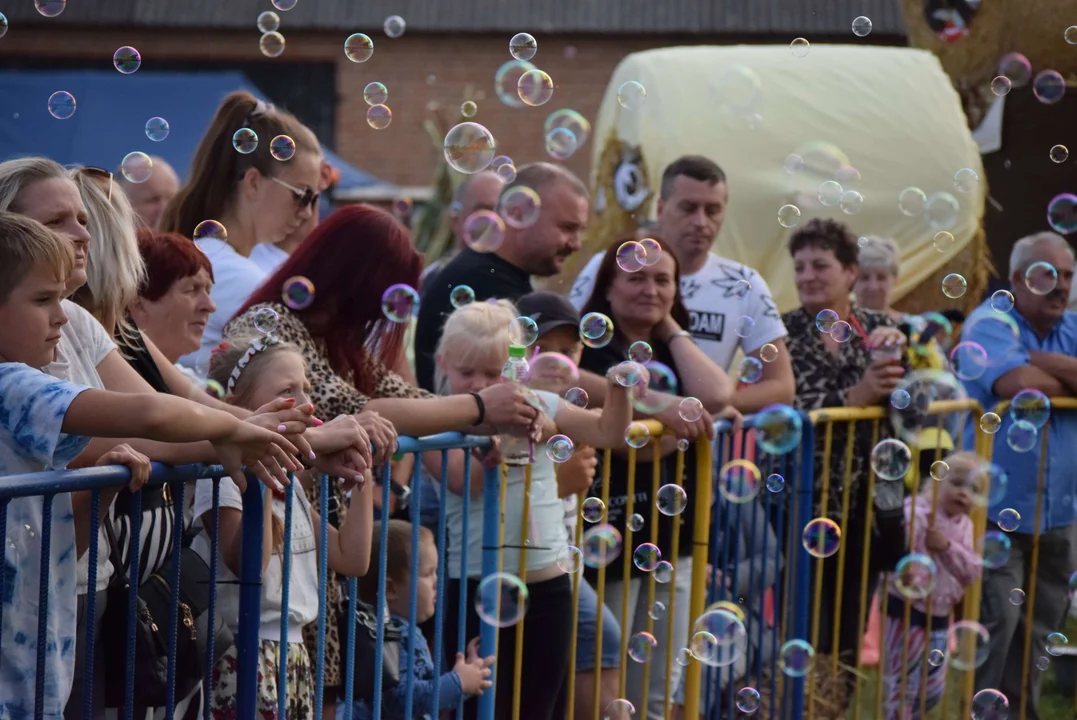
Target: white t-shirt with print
718	316
32	410
303	582
235	278
84	344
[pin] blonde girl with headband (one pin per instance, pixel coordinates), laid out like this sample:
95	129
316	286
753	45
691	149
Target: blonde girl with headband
474	347
254	371
257	195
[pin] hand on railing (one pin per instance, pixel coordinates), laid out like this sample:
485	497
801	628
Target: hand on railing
474	671
489	456
382	433
283	416
136	462
266	454
343	449
673	422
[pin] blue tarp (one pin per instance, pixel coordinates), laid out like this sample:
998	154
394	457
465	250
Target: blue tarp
111	114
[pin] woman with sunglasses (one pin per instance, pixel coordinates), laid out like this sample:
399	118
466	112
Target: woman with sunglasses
257	195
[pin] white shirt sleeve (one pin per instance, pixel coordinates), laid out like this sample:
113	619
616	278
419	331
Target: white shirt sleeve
585	283
768	321
203	496
91	334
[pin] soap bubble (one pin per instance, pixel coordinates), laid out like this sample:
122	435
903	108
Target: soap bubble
640	352
739	481
554	373
484	231
637	435
653	250
795	657
570	559
559	448
245	141
1017	596
136	167
821	537
663	572
943	241
628	373
157	129
520	207
799	47
631	256
592	509
900	399
1016	68
461	295
1041	277
851	202
394	26
576	396
825	320
1042	663
272	44
912	202
966	180
942	211
210	230
50	8
788	216
379	117
1071	34
1062	213
1032	406
690	409
744	327
268	21
936	657
469	148
990	423
768	353
127	60
1059	153
266	320
954	286
634	522
535	87
1001	85
891	459
939	470
775	483
284	4
718	638
861	26
990	704
841	331
682	445
661	391
750	370
468	108
968	641
358	48
1002	301
523	46
646	557
61	105
671	499
523	331
631	95
1021	436
640	646
778	429
994	547
596	330
375	93
619	709
1009	519
829	193
1049	86
657	611
507	80
501	600
793	163
748	700
297	293
560	143
399	302
969	360
1056	643
601	546
282	148
915	575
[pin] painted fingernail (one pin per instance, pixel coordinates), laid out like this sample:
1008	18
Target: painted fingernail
282	428
318	423
312	455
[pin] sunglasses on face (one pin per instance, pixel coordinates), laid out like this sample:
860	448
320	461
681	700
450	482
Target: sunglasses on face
99	174
304	197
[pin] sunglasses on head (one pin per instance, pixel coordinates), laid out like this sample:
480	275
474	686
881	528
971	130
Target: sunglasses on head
304	197
99	174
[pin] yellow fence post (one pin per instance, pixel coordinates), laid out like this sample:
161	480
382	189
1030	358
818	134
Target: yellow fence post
700	538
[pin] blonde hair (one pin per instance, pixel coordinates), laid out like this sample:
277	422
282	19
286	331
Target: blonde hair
16	175
24	244
225	357
476	330
963	464
880	253
115	269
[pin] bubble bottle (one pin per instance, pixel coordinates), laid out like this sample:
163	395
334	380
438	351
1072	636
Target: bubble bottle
516	449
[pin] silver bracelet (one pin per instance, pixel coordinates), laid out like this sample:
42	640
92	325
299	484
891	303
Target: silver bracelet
679	334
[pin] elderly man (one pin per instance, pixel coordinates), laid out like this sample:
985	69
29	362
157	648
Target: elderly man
1036	351
150	198
477	192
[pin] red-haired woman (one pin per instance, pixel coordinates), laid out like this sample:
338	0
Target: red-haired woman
351	259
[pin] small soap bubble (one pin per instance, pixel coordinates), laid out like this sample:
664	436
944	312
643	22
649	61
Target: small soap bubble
739	481
266	320
484	230
631	256
619	709
969	360
915	576
268	21
523	331
744	326
1049	86
576	396
795	657
284	5
1056	644
50	8
778	429
954	286
631	95
520	207
640	352
821	537
596	330
501	600
1041	278
1059	153
768	353
990	423
1001	86
358	48
379	116
682	445
559	448
943	241
936	657
282	148
399	302
825	320
1062	213
245	141
1002	301
1021	436
375	93
968	643
272	44
461	295
3	30
157	129
657	611
535	87
1071	34
298	293
628	373
861	26
469	148
891	459
560	143
394	26
646	557
637	435
793	163
1008	519
966	180
468	109
939	470
851	202
1017	596
750	370
127	60
663	573
634	522
641	645
1042	663
601	546
136	167
990	704
690	409
570	559
788	216
1016	68
748	700
523	46
592	509
800	47
61	105
1032	406
210	230
671	499
829	193
841	331
912	201
900	398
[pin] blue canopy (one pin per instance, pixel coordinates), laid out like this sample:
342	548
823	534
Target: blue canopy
111	114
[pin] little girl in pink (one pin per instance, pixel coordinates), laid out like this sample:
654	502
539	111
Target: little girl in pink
947	541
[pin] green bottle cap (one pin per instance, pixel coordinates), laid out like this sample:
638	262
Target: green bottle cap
517	351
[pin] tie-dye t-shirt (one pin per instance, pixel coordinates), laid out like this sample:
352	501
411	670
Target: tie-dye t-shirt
32	409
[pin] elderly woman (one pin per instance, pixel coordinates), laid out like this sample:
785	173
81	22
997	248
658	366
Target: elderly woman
843	355
879	266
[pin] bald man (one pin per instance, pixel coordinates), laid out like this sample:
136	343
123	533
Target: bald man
477	192
149	198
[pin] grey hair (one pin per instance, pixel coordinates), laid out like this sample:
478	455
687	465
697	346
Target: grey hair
114	269
880	253
540	175
1023	249
18	174
156	161
462	189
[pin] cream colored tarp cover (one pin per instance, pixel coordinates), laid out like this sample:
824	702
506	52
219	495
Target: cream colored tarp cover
890	113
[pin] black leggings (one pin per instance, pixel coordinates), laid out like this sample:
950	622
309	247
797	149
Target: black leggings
546	661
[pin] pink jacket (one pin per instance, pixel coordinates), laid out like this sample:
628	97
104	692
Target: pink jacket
957	568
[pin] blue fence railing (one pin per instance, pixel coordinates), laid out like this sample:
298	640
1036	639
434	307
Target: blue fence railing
783	513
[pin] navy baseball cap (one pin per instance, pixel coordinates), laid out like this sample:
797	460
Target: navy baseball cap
549	310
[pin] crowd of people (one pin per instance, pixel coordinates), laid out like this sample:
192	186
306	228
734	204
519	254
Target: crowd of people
221	322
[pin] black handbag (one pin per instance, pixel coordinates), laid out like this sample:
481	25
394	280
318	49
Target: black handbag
153	610
366	643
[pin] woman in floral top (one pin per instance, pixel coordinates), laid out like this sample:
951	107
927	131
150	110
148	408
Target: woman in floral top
843	355
348	262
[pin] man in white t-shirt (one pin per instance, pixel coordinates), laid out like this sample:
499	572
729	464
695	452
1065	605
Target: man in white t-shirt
730	304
